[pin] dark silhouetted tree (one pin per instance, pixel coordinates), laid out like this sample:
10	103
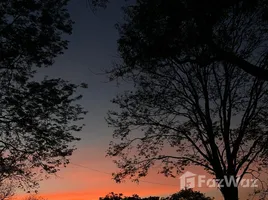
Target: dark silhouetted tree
7	190
181	27
114	196
37	118
34	197
188	194
212	114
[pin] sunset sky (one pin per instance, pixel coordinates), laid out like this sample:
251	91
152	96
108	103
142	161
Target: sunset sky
93	48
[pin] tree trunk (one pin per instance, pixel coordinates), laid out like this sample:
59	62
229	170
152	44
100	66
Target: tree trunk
230	193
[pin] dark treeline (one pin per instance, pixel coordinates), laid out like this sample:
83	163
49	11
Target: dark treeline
186	194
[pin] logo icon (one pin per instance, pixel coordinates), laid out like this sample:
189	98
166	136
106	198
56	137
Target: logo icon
187	180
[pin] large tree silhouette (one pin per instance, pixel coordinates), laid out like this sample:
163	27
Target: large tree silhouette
185	25
37	118
186	96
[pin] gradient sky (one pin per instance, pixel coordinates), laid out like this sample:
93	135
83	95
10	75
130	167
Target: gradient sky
93	48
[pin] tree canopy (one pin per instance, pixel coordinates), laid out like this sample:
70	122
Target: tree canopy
188	194
187	25
38	118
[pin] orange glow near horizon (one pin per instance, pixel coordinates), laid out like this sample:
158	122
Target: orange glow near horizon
90	180
84	184
94	194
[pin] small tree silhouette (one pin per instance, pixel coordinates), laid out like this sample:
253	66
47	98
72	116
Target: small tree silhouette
34	197
189	194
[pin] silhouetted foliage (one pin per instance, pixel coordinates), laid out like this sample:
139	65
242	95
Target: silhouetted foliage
186	194
114	196
179	28
186	95
152	198
7	190
98	3
31	33
37	117
34	197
